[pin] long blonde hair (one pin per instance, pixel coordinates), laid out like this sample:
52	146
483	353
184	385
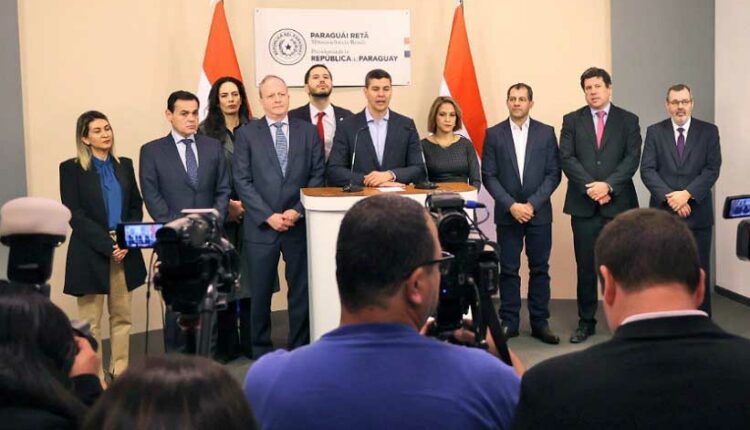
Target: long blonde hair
82	130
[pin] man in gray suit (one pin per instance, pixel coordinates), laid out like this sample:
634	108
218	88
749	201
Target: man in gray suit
182	170
274	157
680	165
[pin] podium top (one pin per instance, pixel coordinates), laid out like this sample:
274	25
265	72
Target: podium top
446	187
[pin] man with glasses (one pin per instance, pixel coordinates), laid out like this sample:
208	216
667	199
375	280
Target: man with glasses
376	369
680	165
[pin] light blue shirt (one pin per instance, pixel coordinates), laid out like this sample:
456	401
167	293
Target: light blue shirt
181	147
594	111
284	128
378	132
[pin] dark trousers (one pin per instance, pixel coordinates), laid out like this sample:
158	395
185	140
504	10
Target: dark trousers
538	240
234	330
703	239
263	262
585	232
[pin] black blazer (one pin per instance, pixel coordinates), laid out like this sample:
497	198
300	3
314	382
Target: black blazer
541	172
662	170
259	182
666	373
303	113
90	248
615	163
165	184
402	153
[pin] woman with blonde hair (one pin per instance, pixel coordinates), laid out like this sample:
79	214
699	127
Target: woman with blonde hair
100	190
449	157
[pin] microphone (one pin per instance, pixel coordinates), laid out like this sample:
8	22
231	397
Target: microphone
350	187
426	184
471	204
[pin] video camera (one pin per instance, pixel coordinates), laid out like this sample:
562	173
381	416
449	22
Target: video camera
472	279
197	267
739	207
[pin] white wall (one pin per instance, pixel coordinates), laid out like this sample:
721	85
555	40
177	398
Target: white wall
733	119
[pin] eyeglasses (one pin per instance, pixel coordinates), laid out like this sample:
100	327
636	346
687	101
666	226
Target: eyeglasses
680	102
445	261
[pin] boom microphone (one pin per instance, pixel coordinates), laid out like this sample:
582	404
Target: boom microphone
350	187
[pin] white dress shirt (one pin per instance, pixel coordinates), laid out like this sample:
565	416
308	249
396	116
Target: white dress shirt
181	147
663	314
520	139
686	127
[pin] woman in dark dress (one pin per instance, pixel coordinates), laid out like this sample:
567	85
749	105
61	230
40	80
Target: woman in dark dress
450	157
228	111
100	191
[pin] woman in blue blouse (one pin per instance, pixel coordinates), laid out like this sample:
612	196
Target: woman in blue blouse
100	190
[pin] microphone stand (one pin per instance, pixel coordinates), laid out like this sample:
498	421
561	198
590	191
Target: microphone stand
426	184
351	187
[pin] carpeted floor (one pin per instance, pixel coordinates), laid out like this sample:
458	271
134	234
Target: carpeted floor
730	315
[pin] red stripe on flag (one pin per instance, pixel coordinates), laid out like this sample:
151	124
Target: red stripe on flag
461	79
220	59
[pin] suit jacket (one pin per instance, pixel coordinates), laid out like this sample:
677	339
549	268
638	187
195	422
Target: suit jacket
662	170
303	113
541	172
402	154
674	372
165	184
90	249
259	182
615	163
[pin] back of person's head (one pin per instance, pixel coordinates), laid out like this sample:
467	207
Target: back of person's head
172	392
382	239
37	351
647	247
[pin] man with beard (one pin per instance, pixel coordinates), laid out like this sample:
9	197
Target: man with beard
320	111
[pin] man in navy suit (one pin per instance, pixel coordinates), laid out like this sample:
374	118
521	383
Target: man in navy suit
387	143
521	169
600	147
662	348
680	165
320	112
274	157
182	170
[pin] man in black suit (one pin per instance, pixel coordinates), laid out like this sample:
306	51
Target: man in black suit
387	144
521	169
320	112
600	147
274	157
667	365
680	165
182	170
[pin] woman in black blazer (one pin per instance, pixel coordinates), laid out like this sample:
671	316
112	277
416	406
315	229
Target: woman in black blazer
100	191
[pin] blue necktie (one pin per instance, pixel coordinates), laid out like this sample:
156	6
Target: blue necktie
281	146
191	164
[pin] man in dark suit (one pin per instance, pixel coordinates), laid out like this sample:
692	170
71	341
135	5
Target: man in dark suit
182	170
600	147
680	165
667	365
521	169
274	157
387	143
320	112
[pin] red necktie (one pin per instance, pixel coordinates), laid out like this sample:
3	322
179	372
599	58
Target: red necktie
321	131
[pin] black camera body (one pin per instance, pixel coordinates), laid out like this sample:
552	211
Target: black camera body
739	207
195	260
473	276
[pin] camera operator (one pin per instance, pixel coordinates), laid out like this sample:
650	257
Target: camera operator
47	376
376	369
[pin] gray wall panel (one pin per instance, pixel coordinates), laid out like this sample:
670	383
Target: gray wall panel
12	152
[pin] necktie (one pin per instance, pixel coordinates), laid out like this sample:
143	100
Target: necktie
680	142
281	146
191	163
321	130
599	128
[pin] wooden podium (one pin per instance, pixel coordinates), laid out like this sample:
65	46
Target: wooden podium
324	211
